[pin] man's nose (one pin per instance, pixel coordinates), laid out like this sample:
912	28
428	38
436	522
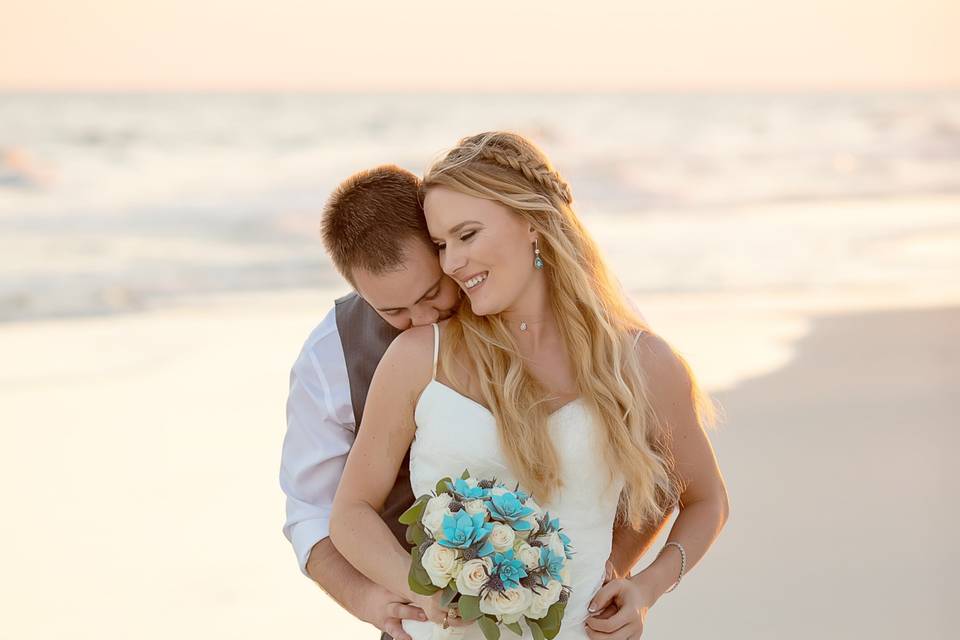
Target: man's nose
424	316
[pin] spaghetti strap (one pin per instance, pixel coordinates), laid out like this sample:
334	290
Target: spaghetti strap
436	347
637	337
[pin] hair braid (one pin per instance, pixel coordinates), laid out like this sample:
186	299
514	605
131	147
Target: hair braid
512	152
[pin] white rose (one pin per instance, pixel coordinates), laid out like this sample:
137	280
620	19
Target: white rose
438	503
474	507
499	491
507	603
441	563
472	483
565	574
474	575
502	537
433	522
543	599
529	556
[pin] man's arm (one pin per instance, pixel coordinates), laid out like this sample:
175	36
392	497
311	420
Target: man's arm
353	591
319	437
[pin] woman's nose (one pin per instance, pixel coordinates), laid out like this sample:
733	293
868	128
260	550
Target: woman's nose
452	262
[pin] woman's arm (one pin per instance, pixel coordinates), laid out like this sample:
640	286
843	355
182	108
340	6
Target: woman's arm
704	507
388	428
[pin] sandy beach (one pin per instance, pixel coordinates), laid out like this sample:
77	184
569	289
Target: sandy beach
140	453
842	503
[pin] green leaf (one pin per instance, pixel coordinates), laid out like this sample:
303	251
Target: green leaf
535	630
422	589
423	578
550	623
515	627
491	631
465	474
443	485
470	607
418	579
413	514
416	534
449	593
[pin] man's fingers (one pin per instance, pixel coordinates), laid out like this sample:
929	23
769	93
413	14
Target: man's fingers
395	630
405	611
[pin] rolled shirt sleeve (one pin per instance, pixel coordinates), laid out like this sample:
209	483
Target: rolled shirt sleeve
320	432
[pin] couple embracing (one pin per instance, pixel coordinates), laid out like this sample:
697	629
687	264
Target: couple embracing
487	333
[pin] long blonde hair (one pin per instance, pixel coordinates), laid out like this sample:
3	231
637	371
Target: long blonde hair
596	322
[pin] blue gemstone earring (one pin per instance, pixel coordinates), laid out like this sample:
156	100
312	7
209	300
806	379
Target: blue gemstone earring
537	260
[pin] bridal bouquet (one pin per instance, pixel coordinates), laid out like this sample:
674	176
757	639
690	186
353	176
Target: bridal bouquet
492	552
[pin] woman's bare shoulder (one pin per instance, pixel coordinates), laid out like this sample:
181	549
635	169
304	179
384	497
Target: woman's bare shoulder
663	367
408	362
414	341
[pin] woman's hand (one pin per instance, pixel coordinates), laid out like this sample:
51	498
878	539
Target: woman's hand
435	613
632	599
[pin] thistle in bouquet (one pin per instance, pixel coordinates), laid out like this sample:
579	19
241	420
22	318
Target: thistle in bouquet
493	553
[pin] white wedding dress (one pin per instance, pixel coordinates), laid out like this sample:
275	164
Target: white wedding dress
456	433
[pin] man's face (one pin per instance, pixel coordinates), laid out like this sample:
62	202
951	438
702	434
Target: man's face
417	294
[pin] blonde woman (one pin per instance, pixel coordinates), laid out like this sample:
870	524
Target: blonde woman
545	377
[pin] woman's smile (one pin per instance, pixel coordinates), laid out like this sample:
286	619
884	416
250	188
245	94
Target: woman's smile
476	281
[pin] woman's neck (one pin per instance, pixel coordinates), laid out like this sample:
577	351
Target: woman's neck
533	324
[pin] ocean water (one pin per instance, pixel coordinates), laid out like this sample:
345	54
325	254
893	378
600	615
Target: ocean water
117	202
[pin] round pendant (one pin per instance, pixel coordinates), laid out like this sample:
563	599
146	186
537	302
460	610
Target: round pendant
523	326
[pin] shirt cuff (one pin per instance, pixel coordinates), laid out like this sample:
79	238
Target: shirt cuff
304	535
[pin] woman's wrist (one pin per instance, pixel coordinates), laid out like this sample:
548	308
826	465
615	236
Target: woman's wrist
660	575
648	585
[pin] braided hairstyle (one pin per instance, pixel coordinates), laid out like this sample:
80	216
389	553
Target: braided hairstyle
512	152
597	324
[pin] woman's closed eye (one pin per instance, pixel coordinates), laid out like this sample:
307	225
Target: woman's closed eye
464	238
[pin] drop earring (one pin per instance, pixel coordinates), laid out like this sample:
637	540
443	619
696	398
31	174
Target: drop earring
537	260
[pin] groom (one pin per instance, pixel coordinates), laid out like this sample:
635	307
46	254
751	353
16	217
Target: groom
374	230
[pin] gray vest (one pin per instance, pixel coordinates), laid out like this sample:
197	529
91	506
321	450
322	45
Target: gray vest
365	337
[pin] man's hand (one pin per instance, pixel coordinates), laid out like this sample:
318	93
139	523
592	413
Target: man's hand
385	609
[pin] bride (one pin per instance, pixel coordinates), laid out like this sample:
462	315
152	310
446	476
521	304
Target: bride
545	377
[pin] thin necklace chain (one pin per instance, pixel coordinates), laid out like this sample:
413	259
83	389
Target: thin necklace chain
524	324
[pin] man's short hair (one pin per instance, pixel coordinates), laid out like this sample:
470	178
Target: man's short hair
370	217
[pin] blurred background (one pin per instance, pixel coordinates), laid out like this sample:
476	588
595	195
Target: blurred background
777	185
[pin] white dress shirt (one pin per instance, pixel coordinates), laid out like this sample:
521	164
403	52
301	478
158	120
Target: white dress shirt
320	431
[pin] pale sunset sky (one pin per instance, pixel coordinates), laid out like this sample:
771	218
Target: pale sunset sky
753	45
